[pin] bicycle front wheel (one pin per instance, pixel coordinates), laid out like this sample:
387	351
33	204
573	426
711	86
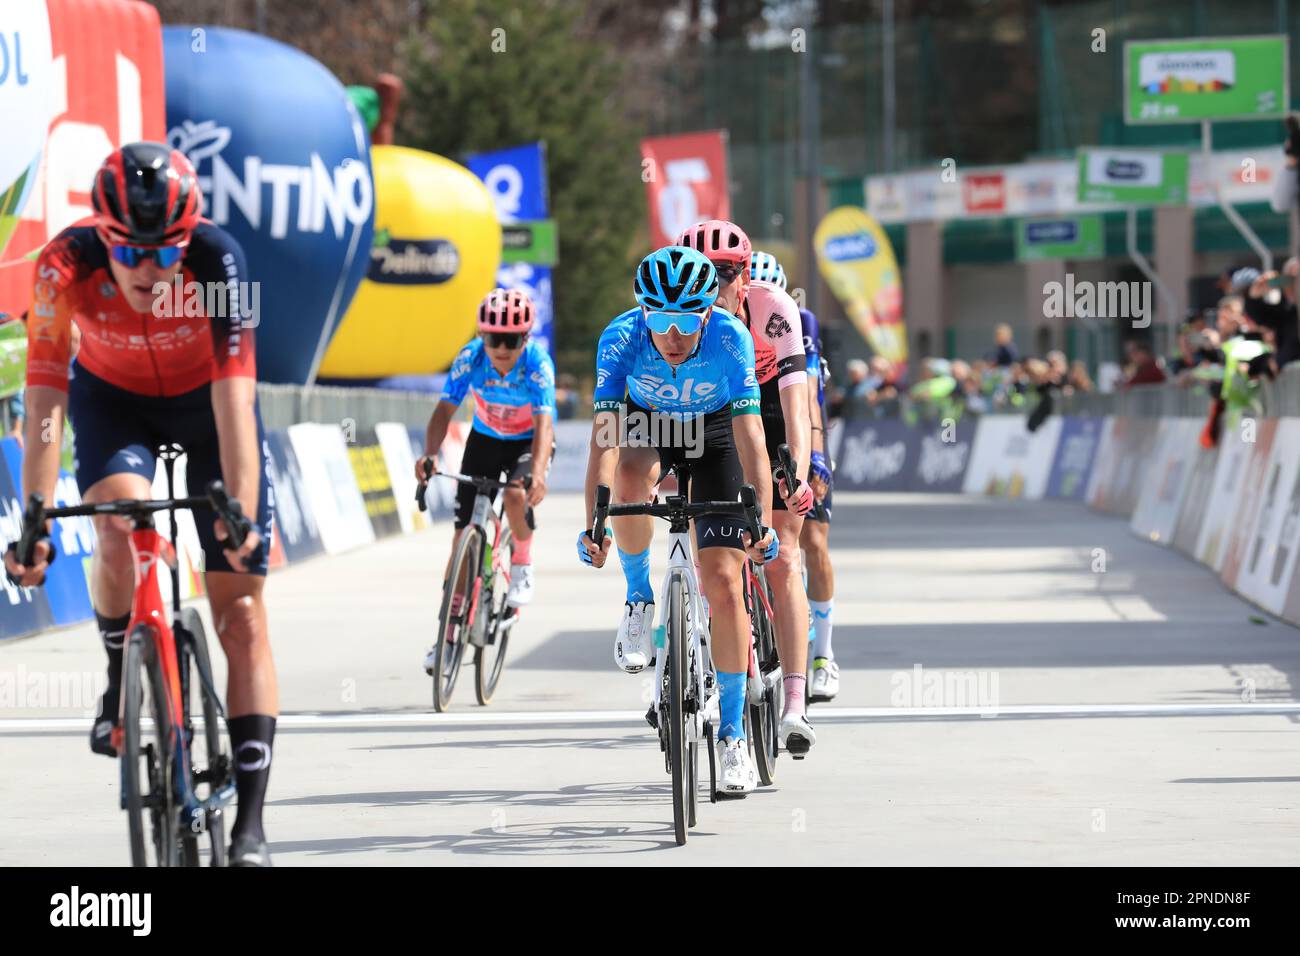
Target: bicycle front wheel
147	756
490	659
454	629
675	671
211	768
764	717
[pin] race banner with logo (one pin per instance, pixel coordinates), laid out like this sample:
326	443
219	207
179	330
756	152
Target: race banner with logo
96	76
1189	80
857	261
1009	461
877	456
516	180
295	522
1147	177
22	610
331	486
686	182
372	479
1076	449
942	456
1073	237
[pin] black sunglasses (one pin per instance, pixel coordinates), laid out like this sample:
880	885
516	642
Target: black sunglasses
511	340
727	271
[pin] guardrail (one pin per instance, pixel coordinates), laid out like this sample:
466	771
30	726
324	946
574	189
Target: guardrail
1279	398
285	405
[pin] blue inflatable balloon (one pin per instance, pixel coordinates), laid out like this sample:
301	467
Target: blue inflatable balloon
284	162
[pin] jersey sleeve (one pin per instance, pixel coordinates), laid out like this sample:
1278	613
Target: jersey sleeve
742	381
613	363
458	379
812	345
783	329
49	324
216	261
541	384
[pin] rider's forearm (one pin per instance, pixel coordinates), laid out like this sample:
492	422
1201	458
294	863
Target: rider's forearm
543	432
602	459
42	440
794	405
817	432
752	449
235	410
437	430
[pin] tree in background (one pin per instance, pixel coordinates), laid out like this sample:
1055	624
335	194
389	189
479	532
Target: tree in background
488	74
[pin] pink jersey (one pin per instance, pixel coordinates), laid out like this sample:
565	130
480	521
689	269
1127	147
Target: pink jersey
774	322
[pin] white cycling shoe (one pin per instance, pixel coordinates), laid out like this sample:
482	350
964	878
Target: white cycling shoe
797	736
634	648
736	774
825	680
521	585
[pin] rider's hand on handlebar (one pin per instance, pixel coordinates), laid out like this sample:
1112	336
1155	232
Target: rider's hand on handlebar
238	557
427	461
34	575
588	553
766	547
801	501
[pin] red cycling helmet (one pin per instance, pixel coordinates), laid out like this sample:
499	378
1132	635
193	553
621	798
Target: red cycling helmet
719	241
505	310
146	194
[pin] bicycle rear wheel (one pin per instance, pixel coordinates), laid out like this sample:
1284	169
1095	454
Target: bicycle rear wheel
453	630
146	757
764	716
675	672
214	773
490	659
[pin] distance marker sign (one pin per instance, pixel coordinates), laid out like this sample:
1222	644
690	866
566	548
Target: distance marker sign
1187	81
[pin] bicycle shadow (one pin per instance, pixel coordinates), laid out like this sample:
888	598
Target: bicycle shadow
576	743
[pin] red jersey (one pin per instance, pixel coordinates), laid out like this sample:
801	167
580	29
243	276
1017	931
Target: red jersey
141	352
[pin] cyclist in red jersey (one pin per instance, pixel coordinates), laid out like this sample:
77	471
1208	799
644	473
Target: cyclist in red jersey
153	367
772	318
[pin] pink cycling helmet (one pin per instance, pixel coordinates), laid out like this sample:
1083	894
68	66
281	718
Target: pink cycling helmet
505	310
719	241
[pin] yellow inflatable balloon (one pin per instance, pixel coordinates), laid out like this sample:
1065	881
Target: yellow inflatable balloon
435	254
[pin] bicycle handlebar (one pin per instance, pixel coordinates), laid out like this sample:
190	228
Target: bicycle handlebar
228	509
785	460
482	485
675	507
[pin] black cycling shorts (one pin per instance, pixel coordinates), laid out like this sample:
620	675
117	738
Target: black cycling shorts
708	449
117	431
490	457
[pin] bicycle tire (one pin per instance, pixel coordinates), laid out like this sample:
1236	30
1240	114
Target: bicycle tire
675	669
453	637
490	660
147	795
764	717
194	651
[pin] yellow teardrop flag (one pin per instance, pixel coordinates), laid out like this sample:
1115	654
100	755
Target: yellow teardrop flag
857	261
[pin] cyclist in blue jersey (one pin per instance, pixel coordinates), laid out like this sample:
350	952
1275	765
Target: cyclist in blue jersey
814	537
513	382
676	360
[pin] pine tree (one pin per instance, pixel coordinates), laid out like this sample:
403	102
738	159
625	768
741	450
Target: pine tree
488	74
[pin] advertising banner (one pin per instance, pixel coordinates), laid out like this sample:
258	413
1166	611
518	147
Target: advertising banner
294	521
1196	501
376	487
1229	472
1269	565
942	456
1009	460
22	610
1189	80
1132	176
855	257
1073	237
399	459
331	486
876	456
686	182
1076	450
1161	495
102	87
1250	498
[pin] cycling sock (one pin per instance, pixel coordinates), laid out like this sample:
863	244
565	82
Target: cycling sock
794	690
457	603
521	552
821	612
732	706
250	740
112	631
636	568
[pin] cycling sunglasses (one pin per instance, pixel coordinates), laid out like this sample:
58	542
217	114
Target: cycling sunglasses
687	323
727	271
132	256
511	340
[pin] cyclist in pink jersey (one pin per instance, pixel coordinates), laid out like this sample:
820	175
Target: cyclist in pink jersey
773	320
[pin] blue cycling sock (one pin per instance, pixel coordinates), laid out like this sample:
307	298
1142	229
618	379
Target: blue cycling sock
636	568
732	706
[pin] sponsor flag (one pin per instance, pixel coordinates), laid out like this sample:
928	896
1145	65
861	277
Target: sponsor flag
685	181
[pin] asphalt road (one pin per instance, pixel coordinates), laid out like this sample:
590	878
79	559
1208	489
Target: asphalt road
1004	701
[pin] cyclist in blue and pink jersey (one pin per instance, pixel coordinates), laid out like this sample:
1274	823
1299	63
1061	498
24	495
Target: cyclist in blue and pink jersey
814	538
678	357
513	383
772	318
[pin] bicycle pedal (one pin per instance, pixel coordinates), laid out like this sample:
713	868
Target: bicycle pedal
652	718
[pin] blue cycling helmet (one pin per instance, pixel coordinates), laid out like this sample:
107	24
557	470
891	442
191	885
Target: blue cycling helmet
675	279
764	267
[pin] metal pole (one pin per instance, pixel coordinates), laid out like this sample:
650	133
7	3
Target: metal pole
887	85
261	16
1234	217
1144	267
812	161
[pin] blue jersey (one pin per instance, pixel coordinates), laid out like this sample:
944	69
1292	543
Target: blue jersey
812	347
504	405
719	372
